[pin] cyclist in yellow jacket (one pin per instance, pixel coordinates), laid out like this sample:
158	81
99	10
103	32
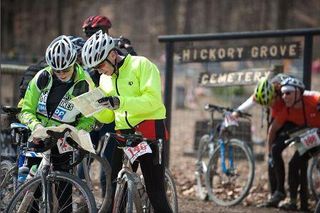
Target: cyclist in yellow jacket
132	86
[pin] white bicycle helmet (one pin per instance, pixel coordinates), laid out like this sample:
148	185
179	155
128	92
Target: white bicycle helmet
61	53
279	78
96	49
78	43
293	82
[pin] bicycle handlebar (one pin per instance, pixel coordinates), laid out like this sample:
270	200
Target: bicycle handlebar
57	135
49	144
220	109
131	140
295	134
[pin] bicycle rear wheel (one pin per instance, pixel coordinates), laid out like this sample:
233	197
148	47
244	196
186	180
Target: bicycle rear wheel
229	186
92	165
201	167
171	191
28	197
314	177
127	198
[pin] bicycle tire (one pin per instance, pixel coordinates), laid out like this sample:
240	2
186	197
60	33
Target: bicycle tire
201	167
126	197
314	177
26	192
172	195
8	182
221	195
317	209
103	200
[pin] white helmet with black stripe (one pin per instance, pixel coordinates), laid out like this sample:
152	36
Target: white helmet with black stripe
61	53
292	82
96	49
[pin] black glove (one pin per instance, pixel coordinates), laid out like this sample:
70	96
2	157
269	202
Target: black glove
110	102
124	42
270	161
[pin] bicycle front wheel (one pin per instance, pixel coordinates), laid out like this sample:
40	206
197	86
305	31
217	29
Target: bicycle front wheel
127	198
201	167
92	165
314	177
29	196
8	181
230	173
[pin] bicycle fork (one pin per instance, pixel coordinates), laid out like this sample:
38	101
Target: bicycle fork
227	171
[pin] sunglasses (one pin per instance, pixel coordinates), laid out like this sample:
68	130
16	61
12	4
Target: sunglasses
286	93
99	66
63	71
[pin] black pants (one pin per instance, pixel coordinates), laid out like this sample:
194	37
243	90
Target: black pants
153	172
153	175
298	167
278	169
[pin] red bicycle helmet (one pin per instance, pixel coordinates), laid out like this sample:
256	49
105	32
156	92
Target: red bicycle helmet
95	23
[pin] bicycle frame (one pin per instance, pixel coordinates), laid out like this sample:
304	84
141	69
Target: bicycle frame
43	171
127	171
217	136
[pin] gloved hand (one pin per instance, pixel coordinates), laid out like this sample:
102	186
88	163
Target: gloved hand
235	114
124	42
39	128
270	161
110	102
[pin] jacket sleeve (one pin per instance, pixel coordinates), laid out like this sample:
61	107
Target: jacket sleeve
150	89
30	103
85	123
105	116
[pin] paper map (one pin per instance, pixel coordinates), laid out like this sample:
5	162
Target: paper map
81	137
87	103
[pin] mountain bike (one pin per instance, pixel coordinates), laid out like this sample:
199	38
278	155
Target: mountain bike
225	166
91	164
307	140
53	191
131	194
9	165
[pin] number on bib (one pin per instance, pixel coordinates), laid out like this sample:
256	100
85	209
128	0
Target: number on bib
134	152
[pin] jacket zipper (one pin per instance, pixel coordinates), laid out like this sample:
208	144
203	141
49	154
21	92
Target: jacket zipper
126	113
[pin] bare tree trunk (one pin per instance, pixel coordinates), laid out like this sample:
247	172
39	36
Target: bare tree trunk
208	15
170	12
187	29
59	9
284	7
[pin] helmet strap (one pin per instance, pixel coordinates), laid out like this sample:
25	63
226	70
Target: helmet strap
295	98
115	69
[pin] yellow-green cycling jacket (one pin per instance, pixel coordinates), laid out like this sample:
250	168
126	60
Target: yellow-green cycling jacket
138	87
34	107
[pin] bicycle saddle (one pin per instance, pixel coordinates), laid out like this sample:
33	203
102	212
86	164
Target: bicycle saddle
11	109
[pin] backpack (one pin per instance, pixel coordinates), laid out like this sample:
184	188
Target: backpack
30	72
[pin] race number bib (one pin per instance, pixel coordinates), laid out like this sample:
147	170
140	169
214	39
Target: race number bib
63	146
310	139
134	152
